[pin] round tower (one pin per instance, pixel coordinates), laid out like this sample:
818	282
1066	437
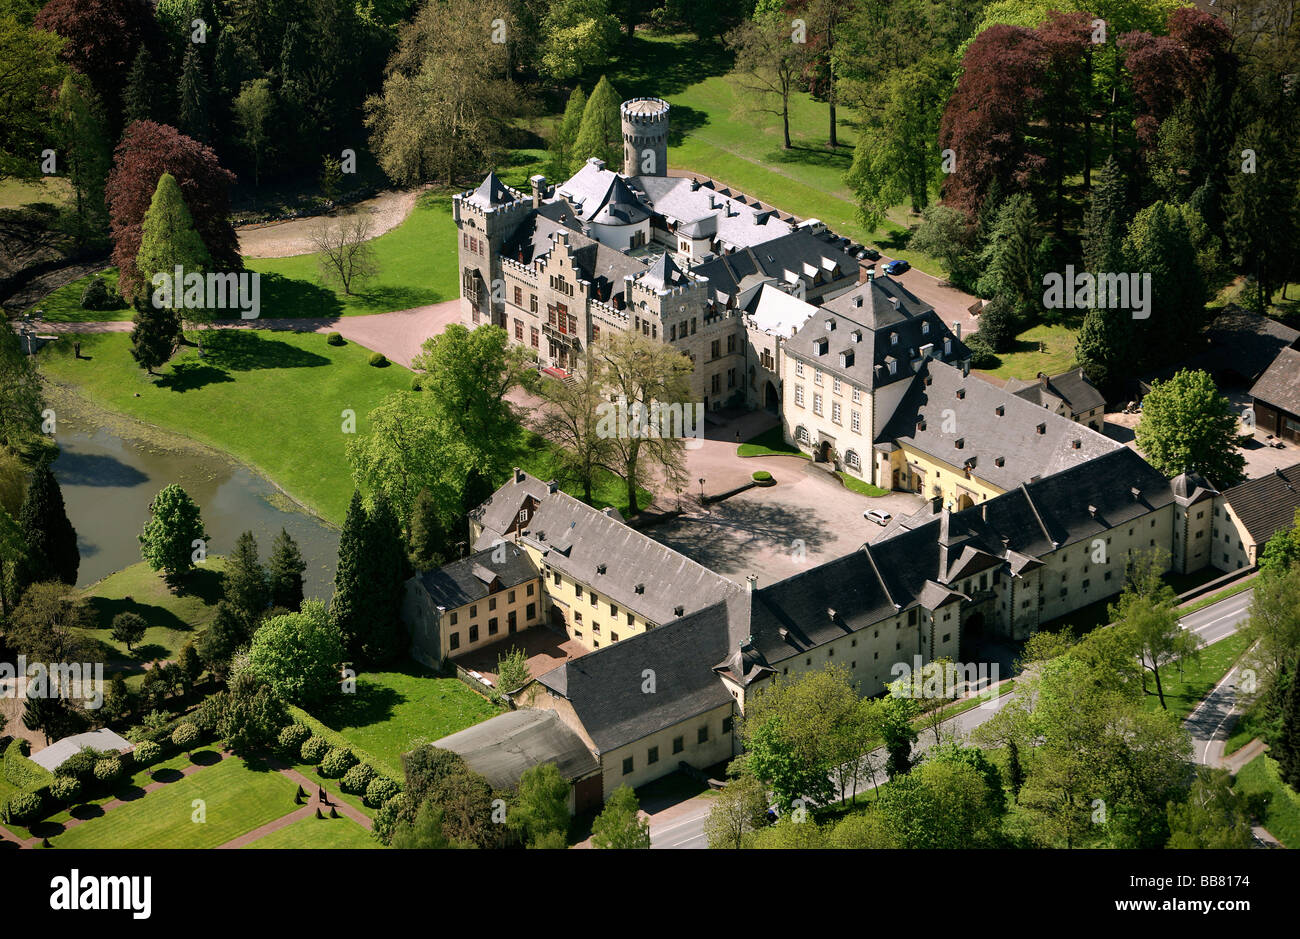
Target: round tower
645	137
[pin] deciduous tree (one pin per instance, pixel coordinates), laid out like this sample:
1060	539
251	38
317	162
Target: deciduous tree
173	534
1187	424
619	824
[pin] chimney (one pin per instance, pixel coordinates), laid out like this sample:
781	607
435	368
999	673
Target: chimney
751	581
1042	379
1136	493
679	610
956	329
1092	511
936	505
1000	410
539	188
1076	444
519	475
871	274
857	301
552	486
1041	429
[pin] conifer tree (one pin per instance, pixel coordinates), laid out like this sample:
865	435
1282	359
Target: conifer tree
154	336
50	538
1106	220
192	112
147	96
349	604
1104	348
285	570
428	535
83	136
601	132
226	633
244	580
566	136
1288	743
387	569
168	238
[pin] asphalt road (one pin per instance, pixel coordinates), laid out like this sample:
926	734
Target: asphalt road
682	825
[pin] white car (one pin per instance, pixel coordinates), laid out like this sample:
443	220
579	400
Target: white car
877	516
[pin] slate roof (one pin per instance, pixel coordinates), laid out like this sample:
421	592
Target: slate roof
605	267
1073	387
1245	342
619	206
664	274
604	686
772	310
503	747
578	541
1280	383
492	192
1268	504
876	324
984	435
797	256
471	578
54	756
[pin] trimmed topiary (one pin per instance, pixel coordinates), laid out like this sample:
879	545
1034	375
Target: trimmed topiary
185	736
380	791
357	779
292	737
146	753
314	749
66	789
337	762
98	296
24	806
107	771
378	360
764	478
334	339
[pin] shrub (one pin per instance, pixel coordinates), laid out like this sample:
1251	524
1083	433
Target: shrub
981	353
337	762
97	296
416	384
107	770
82	763
380	791
313	750
764	478
24	806
66	789
292	737
147	753
185	736
378	360
357	779
334	339
386	818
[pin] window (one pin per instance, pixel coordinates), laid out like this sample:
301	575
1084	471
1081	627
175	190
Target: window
556	575
731	343
630	620
714	349
835	386
613	610
817	376
798	395
798	368
801	435
595	627
731	378
455	640
519	330
857	395
652	755
692	326
510	597
946	637
492	626
577	616
717	383
473	634
679	744
492	603
613	637
702	735
535	338
855	421
473	611
519	296
532	302
852	461
627	766
817	404
577	591
529	591
453	618
835	412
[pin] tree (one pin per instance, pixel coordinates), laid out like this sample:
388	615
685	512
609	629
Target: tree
600	134
788	834
129	628
173	535
254	114
298	654
1159	243
1105	347
51	541
102	39
431	542
348	605
423	831
243	580
619	824
1214	816
1187	424
642	374
947	234
541	806
576	34
998	324
147	96
737	811
1106	220
13	552
168	241
406	453
83	139
445	106
285	568
46	624
566	135
1288	738
768	63
941	804
1146	615
345	254
512	670
1262	219
145	152
894	716
24	95
250	714
224	635
386	571
571	420
48	716
154	337
1011	258
21	401
192	112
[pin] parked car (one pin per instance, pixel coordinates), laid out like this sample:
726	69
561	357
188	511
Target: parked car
871	254
897	267
877	516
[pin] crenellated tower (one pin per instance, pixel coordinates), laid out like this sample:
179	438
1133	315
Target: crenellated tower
645	137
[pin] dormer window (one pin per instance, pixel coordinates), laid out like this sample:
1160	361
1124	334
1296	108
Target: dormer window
893	339
925	328
893	366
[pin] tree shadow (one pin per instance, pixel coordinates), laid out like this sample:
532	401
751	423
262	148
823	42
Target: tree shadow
166	775
96	469
683	120
131	793
106	608
50	829
839	159
191	376
726	540
205	757
661	68
242	350
385	299
82	813
371	704
290	297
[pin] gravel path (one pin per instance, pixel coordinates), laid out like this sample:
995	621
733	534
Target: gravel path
289	239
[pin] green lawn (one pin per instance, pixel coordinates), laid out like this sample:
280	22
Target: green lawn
1185	690
853	484
770	443
1026	361
416	261
64	305
274	400
19	192
238	797
319	833
393	712
173	618
1282	803
1202	602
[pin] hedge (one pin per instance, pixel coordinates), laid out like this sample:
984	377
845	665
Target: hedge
333	737
22	772
313	750
337	762
357	779
380	791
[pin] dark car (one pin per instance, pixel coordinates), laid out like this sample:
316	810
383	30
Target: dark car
871	254
897	267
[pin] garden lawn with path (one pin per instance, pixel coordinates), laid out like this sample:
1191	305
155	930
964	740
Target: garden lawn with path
1187	687
238	797
1025	360
319	833
1281	815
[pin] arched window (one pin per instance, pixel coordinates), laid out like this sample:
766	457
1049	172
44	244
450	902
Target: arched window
851	460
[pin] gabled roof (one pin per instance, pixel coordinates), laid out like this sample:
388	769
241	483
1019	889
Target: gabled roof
1073	387
540	232
619	206
473	578
504	747
1280	383
604	686
57	753
791	258
1244	342
664	274
492	192
1268	504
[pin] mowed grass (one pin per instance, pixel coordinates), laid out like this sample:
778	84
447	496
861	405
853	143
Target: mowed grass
19	192
1042	348
173	618
396	711
64	305
237	797
1186	688
274	400
1282	803
319	833
416	266
770	442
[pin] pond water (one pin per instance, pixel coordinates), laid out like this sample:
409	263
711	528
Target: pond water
109	480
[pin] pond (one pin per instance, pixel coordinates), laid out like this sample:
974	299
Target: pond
109	479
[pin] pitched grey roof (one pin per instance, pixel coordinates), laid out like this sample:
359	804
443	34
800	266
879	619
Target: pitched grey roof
703	212
619	206
505	746
1073	387
605	686
975	431
579	541
664	274
1245	342
876	325
1268	504
492	192
536	236
474	577
798	255
54	756
1280	383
